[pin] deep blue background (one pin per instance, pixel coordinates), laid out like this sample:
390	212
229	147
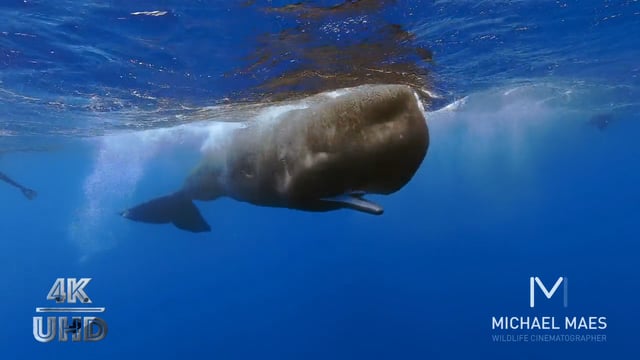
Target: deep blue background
517	183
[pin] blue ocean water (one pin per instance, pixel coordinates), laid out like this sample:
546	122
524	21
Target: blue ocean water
532	171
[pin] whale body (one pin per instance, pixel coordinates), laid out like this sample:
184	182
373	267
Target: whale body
365	140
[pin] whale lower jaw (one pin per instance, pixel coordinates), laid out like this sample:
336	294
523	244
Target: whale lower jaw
356	201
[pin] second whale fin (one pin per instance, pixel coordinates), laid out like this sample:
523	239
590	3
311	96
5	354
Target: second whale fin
176	208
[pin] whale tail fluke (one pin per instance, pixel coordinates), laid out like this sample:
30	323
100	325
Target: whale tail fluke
176	208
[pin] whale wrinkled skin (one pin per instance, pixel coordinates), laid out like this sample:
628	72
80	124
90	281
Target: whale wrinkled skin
368	140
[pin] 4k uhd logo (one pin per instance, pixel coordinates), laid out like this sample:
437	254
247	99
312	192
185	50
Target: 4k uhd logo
79	328
534	280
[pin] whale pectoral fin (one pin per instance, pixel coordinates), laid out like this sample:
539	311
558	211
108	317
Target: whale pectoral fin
356	201
176	209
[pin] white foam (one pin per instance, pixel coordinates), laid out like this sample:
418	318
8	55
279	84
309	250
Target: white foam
454	106
150	13
430	93
273	112
119	165
337	93
501	130
217	135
